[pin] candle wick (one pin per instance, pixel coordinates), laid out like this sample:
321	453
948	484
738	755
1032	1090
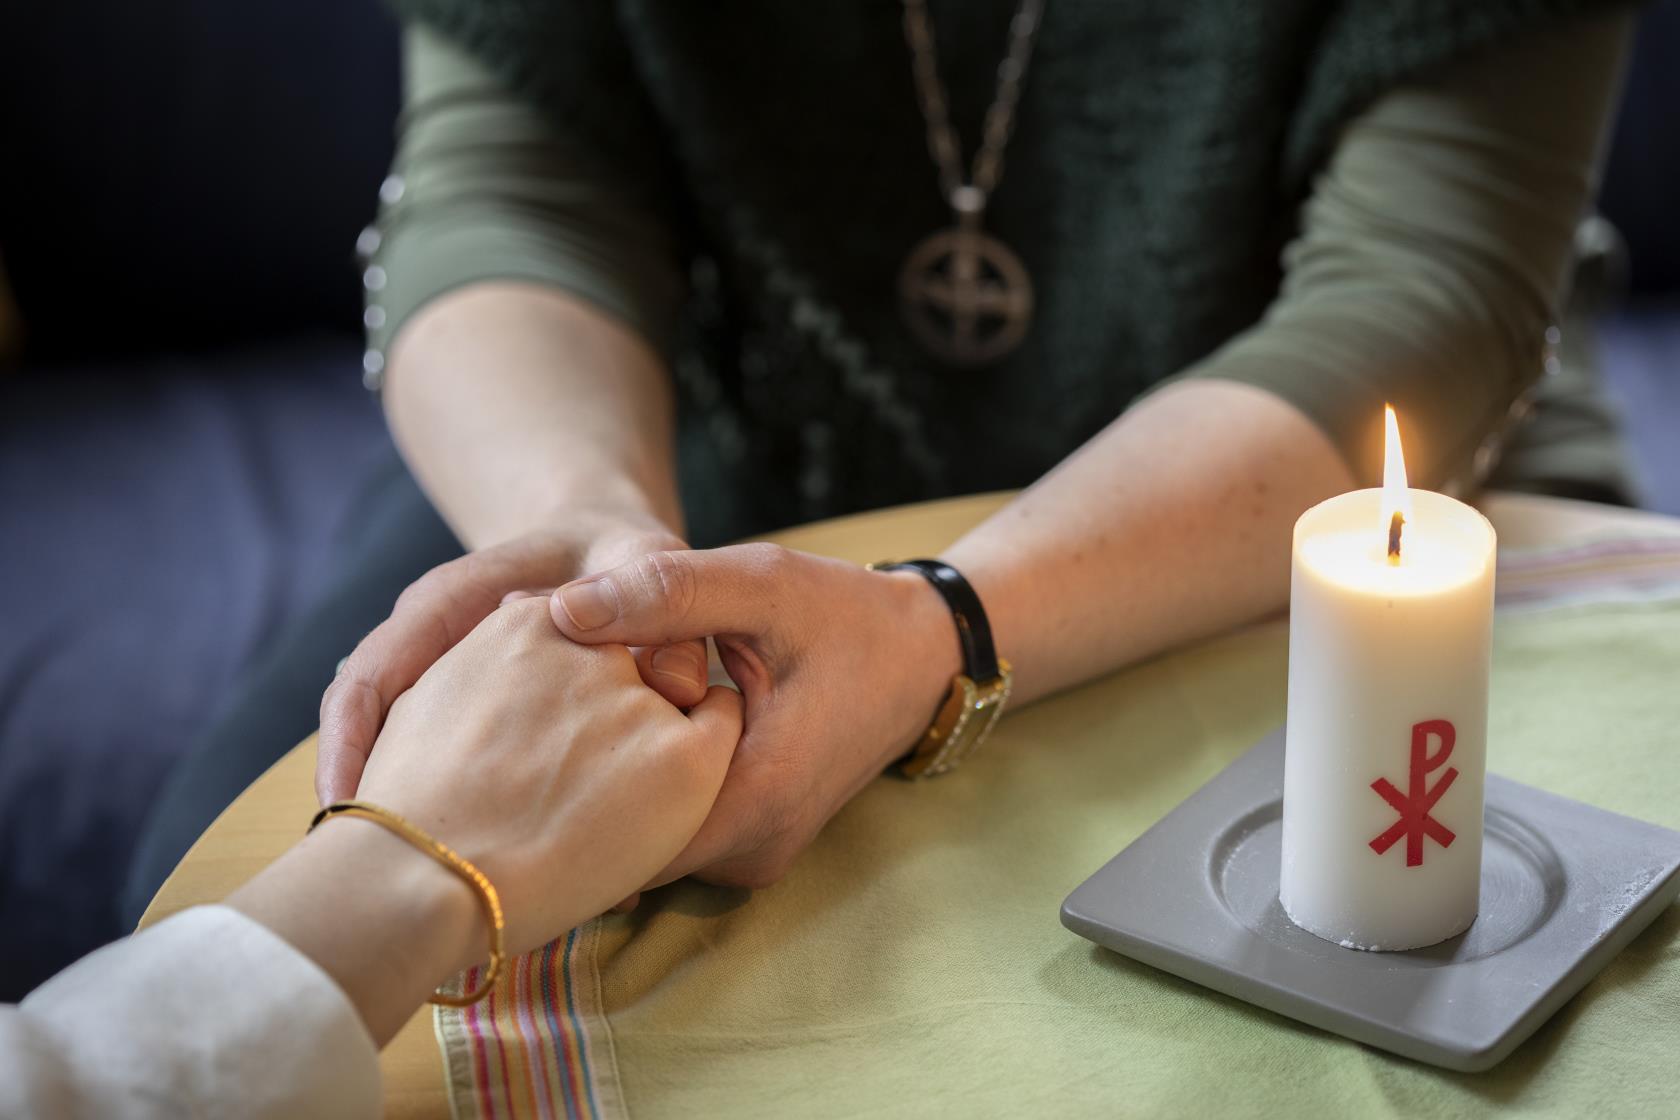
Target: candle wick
1394	525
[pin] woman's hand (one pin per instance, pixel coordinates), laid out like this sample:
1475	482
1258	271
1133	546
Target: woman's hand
552	767
445	604
549	765
841	670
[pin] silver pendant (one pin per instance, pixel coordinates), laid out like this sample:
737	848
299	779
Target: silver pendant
966	296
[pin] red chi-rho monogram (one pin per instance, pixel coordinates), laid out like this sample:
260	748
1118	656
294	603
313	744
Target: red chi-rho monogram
1414	805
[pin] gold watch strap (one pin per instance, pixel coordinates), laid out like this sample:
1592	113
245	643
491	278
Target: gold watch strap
969	713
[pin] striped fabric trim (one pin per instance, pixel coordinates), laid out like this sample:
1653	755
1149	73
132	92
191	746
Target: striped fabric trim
538	1045
1617	570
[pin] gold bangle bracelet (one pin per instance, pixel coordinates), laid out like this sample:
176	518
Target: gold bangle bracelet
489	901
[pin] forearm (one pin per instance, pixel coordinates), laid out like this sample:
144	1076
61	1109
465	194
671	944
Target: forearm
1432	257
383	921
1172	524
522	288
513	403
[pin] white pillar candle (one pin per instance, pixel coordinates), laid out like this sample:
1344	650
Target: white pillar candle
1390	632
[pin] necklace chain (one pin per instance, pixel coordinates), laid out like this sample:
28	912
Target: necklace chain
970	196
965	295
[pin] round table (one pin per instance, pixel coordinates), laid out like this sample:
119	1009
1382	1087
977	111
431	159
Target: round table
272	813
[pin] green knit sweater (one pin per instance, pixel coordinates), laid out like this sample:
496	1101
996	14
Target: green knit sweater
1160	162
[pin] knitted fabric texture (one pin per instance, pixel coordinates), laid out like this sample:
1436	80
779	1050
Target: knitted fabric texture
1160	155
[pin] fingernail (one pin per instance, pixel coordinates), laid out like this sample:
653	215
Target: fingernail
681	662
590	605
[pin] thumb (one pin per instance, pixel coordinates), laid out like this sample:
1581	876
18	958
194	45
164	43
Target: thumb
667	597
677	672
719	719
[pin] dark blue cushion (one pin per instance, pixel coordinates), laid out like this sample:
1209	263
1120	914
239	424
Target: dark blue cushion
1639	350
1642	179
160	522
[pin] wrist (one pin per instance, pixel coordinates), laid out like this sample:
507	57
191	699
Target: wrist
401	884
929	658
620	534
625	505
594	504
379	917
1011	589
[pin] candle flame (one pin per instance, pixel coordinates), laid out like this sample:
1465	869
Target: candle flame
1396	496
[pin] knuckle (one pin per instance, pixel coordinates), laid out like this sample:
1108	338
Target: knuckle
670	580
327	714
358	665
408	595
768	558
527	616
426	588
348	703
518	630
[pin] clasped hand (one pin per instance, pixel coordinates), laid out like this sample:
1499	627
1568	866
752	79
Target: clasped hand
839	668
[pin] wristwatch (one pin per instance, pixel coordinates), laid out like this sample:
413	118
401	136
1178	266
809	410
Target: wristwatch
978	693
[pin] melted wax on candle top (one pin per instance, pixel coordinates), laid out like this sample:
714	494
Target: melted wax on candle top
1352	559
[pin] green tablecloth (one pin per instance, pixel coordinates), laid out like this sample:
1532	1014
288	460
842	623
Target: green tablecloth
913	963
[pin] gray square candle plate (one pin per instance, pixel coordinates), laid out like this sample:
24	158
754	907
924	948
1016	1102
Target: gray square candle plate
1564	887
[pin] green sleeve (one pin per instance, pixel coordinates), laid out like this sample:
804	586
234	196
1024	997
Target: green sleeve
1434	253
486	187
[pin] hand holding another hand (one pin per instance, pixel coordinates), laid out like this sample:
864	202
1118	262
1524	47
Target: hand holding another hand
550	766
442	607
840	668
